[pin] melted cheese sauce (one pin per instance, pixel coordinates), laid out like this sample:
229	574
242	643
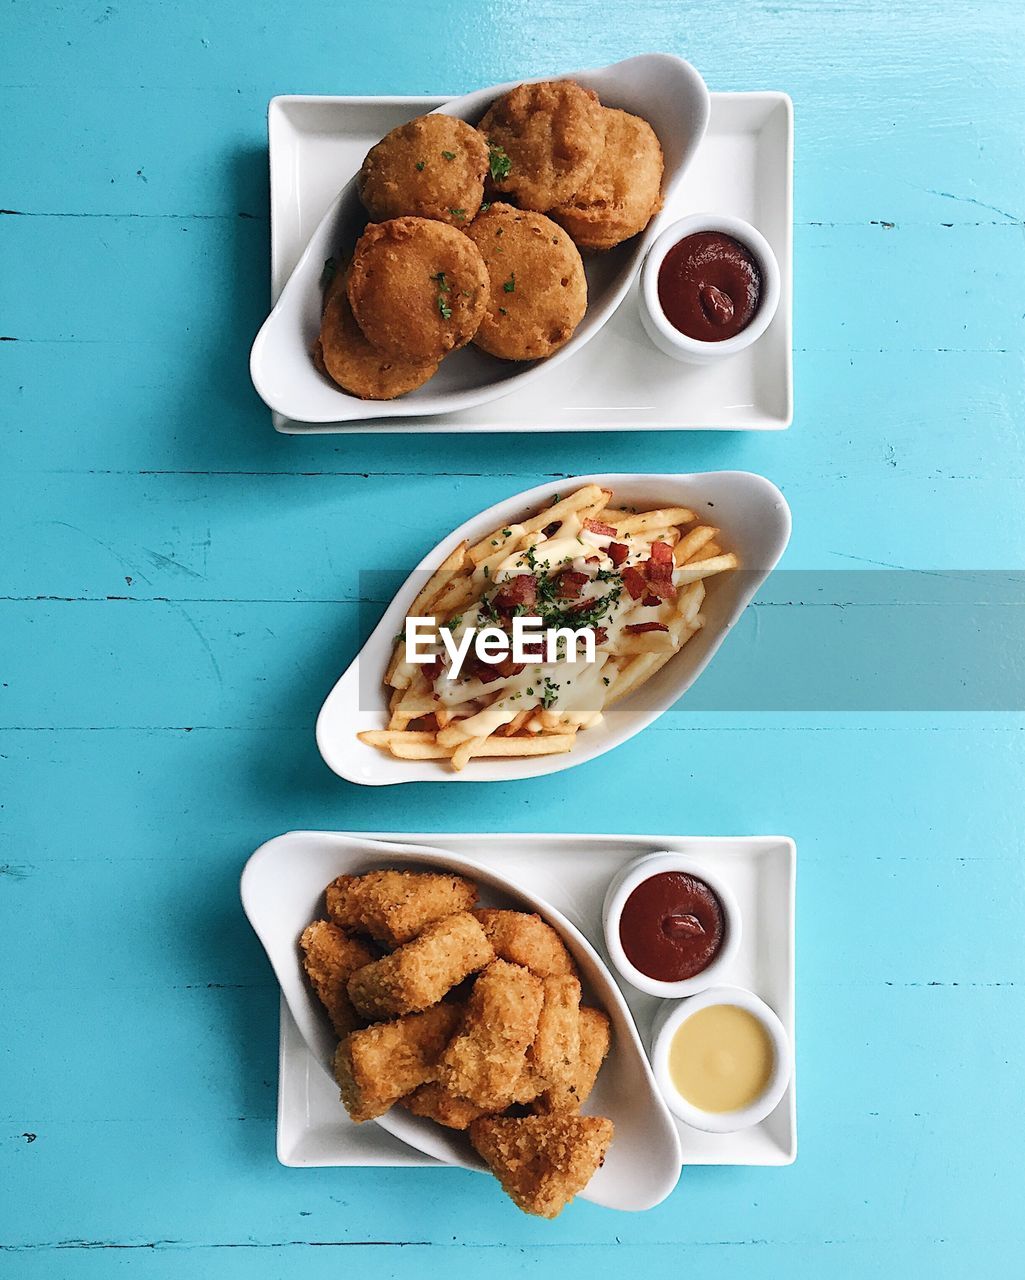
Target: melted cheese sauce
721	1058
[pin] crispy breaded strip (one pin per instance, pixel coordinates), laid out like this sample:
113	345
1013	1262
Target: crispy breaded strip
595	1036
394	906
436	1103
542	1162
527	940
377	1066
487	1057
421	972
330	957
556	1046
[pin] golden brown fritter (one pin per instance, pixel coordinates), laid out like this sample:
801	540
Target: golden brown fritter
430	167
435	1102
418	288
330	957
394	906
380	1064
625	190
542	1162
556	1048
487	1057
526	940
421	972
344	354
552	134
538	292
571	1094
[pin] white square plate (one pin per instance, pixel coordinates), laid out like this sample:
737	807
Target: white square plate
572	872
618	381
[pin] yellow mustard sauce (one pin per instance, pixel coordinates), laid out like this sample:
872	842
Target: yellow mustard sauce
721	1058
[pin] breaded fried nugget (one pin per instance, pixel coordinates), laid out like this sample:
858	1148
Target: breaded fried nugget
487	1057
421	972
344	354
547	139
430	167
542	1162
394	906
556	1046
527	940
436	1103
624	192
418	288
330	957
377	1066
571	1094
538	292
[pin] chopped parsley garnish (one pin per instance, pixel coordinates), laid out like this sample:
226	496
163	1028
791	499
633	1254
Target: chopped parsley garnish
420	166
487	572
453	623
498	161
328	274
510	285
443	307
458	213
485	206
449	155
606	681
502	311
506	533
550	693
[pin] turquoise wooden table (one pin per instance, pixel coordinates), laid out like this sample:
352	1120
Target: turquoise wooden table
179	591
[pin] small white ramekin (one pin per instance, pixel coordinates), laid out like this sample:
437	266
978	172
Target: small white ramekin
671	1017
666	336
621	887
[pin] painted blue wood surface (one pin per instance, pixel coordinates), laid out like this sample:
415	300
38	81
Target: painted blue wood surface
177	591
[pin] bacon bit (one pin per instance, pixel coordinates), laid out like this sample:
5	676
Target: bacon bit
507	667
519	590
617	552
433	669
592	560
651	601
661	587
635	582
600	635
661	553
639	628
550	530
571	584
596	526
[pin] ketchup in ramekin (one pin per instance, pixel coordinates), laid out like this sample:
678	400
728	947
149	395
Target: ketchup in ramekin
709	286
672	926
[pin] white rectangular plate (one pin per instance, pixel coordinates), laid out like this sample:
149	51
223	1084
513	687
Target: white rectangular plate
572	872
618	381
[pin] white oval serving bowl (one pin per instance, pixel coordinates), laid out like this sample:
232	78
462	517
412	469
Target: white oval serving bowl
755	523
664	334
670	1018
282	890
619	891
664	89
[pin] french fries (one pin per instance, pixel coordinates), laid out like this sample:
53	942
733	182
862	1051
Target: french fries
636	580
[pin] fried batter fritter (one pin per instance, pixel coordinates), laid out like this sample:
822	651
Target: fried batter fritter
330	957
526	940
538	291
418	288
430	167
552	133
623	193
394	906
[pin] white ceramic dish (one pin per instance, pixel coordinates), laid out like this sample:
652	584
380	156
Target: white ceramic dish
619	891
663	89
571	872
755	523
669	1021
618	382
665	335
282	891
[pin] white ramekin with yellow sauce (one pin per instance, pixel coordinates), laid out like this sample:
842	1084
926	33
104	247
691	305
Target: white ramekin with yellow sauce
722	1059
